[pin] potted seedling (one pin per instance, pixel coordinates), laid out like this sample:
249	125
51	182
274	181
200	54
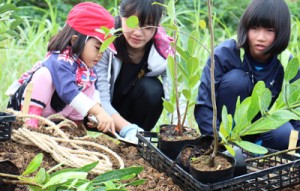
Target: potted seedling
285	108
214	166
183	72
233	129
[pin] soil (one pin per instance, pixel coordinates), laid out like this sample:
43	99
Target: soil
202	163
171	141
170	133
20	155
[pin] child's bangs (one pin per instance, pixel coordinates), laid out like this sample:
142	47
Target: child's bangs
263	17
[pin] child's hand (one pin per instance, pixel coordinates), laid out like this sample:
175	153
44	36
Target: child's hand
105	122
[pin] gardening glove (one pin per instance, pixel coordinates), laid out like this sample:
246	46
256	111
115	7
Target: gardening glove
129	132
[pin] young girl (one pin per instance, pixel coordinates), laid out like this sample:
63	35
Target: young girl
64	82
263	33
130	89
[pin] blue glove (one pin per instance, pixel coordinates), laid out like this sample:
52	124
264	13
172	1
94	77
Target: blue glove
129	132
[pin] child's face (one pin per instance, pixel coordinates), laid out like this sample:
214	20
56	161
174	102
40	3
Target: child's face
260	39
91	54
137	38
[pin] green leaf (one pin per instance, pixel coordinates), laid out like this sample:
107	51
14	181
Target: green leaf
64	177
170	69
117	174
109	185
104	30
137	182
41	176
230	149
128	177
2	38
171	10
270	122
34	164
291	69
7	7
202	24
251	147
265	100
183	54
192	42
35	188
73	183
85	168
187	94
12	33
132	22
14	24
294	96
106	43
169	106
240	115
254	107
226	121
84	187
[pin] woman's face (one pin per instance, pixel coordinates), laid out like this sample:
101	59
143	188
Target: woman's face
138	37
90	54
260	39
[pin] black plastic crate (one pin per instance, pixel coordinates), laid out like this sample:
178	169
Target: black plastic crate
6	120
271	173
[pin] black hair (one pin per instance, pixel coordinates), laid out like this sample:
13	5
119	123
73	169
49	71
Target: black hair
63	39
147	13
268	14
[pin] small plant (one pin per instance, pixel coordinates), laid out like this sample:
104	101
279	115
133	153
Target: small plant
38	179
183	70
9	21
285	108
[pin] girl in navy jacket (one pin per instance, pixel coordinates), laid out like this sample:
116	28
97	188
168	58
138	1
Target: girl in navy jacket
263	34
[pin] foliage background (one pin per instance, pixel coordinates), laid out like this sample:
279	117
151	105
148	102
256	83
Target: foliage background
43	18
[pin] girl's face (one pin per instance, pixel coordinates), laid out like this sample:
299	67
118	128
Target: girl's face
260	39
137	38
90	54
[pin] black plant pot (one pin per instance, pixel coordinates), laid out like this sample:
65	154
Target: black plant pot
6	120
240	167
8	167
173	148
196	149
184	156
214	176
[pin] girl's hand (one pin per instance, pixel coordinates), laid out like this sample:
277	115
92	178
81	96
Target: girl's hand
105	122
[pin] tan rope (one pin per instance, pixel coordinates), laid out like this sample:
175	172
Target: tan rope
73	155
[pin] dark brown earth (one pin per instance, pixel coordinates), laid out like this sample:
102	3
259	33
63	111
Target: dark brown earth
21	155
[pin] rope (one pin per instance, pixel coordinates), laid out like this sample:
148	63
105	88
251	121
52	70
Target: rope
73	155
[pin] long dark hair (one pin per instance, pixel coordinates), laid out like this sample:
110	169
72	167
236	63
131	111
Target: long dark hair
269	14
63	39
147	14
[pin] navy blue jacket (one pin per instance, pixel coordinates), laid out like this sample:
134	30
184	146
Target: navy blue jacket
227	57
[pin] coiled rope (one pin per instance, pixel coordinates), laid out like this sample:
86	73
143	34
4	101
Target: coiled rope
73	155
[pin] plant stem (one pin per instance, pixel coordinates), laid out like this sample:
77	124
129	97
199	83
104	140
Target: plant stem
9	175
17	182
179	128
212	85
272	154
20	182
185	112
